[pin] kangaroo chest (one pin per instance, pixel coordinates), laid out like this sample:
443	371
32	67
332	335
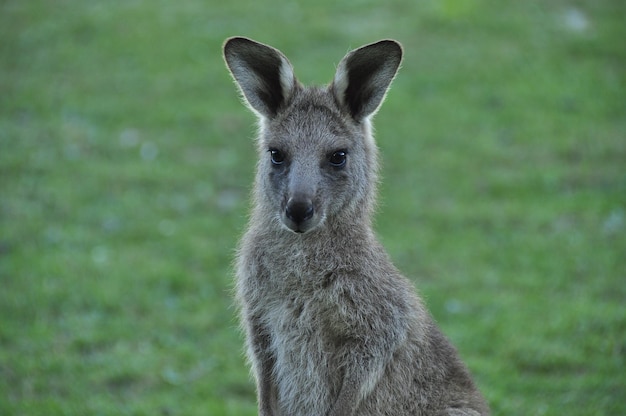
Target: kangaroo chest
306	367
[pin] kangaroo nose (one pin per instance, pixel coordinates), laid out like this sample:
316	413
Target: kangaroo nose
299	211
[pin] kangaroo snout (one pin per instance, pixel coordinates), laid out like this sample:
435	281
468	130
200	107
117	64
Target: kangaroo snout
299	211
298	214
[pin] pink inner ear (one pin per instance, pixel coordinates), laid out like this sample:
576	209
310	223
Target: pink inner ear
287	78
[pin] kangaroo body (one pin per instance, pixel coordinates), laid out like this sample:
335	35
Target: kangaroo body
332	327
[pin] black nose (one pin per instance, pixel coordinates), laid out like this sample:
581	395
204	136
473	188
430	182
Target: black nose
299	211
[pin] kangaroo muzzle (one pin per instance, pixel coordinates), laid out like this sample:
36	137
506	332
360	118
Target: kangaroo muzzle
299	214
299	211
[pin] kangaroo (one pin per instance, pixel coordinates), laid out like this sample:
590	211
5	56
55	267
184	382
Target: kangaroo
332	327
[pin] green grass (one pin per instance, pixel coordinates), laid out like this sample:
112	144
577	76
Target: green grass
126	160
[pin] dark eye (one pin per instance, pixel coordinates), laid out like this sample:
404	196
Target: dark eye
338	159
278	157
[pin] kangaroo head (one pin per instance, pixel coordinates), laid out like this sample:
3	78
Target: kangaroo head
318	158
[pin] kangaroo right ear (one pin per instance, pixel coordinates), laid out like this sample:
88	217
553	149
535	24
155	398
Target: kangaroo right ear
364	75
264	75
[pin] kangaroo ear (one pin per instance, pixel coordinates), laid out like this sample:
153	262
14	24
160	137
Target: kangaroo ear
264	74
364	75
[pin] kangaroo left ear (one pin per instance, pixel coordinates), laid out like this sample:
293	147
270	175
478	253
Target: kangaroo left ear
363	77
264	74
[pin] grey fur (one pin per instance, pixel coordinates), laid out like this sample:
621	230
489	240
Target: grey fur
332	327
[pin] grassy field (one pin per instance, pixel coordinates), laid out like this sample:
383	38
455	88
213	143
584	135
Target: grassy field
126	160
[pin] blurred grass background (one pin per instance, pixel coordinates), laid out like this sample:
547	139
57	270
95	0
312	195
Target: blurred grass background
126	160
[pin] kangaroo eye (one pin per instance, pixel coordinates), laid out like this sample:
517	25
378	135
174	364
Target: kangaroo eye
338	159
277	157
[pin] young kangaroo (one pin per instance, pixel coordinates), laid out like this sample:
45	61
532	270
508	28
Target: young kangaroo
332	327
